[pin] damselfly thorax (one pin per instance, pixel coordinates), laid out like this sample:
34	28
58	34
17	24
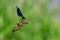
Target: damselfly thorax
19	25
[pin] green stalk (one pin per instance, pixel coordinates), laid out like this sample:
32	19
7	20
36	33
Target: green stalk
7	30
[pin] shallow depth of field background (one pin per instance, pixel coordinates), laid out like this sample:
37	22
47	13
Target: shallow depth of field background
43	17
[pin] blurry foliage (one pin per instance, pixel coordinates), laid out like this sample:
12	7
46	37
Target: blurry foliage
43	22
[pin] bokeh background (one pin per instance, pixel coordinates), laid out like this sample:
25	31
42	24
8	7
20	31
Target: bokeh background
43	17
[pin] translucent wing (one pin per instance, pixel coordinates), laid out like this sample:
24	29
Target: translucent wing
20	13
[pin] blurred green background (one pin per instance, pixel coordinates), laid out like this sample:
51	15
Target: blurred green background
43	17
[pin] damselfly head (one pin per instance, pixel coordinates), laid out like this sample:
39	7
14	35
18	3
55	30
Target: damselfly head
24	21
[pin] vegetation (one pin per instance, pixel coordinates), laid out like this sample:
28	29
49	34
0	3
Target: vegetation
43	20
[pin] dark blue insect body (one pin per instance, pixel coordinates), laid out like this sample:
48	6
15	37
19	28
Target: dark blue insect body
20	13
19	24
